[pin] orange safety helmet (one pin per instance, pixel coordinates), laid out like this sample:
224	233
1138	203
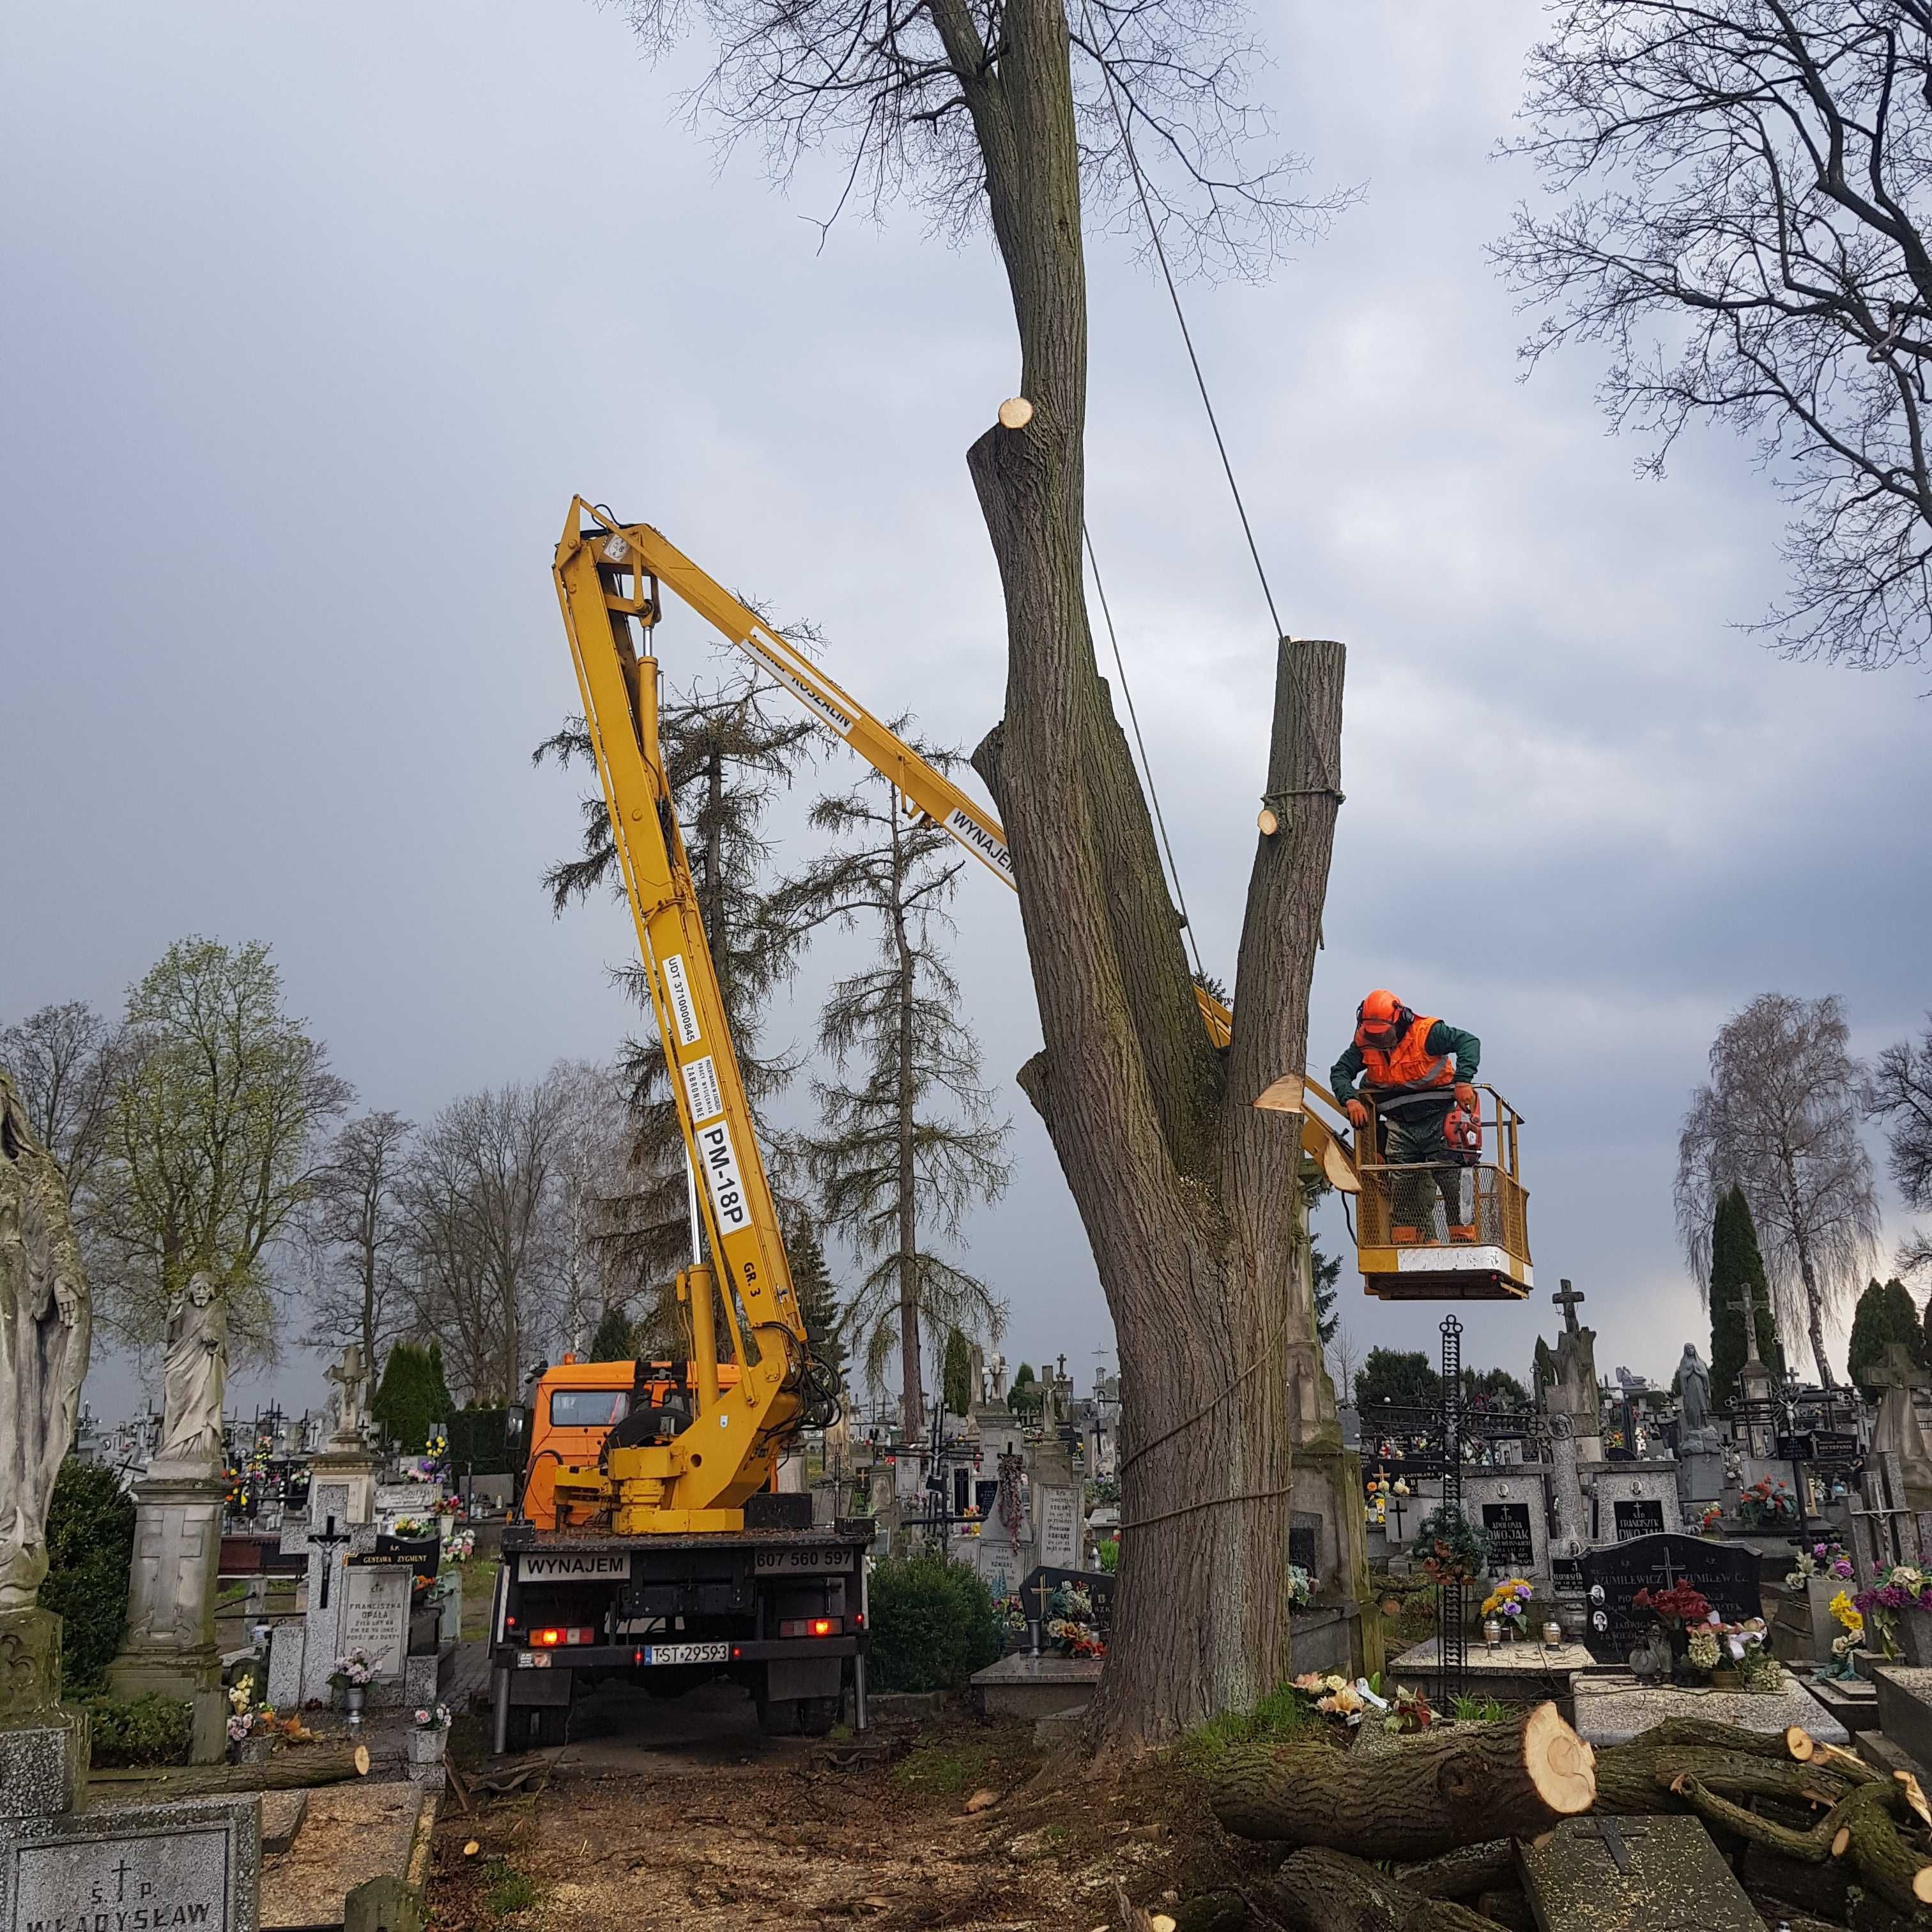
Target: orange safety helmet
1382	1019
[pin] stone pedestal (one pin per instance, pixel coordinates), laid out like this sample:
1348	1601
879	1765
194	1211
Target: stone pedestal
169	1648
353	1468
43	1748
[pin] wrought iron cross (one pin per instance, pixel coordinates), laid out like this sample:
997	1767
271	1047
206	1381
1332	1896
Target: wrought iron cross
329	1537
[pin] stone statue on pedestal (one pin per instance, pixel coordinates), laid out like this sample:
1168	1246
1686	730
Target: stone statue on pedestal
194	1375
351	1377
1697	1434
45	1329
46	1326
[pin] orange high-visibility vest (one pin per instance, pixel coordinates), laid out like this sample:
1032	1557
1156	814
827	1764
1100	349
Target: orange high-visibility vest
1410	1068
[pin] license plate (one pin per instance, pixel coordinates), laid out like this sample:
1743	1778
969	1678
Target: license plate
803	1562
687	1653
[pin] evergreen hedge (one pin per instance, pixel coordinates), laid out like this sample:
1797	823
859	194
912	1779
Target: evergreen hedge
90	1548
933	1624
148	1729
413	1395
1884	1314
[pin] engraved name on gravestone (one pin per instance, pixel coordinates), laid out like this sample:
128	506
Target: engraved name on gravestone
1060	1528
138	1868
1635	1517
1613	1576
1512	1549
375	1616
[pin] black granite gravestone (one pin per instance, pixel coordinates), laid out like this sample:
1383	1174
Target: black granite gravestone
1638	1515
1304	1541
1512	1553
1041	1583
1726	1575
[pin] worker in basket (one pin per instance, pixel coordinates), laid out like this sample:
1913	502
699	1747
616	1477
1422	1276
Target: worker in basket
1426	1110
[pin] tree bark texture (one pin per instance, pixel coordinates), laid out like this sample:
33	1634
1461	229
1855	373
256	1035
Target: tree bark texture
1487	1865
1458	1786
1187	1196
294	1769
1318	1890
912	1398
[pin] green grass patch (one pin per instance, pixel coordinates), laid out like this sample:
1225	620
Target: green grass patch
1284	1716
1482	1711
510	1890
945	1770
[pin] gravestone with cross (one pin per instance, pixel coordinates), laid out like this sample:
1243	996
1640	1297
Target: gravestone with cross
1661	1874
1613	1577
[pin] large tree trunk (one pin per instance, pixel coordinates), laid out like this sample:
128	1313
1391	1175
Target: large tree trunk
912	1394
1450	1788
1188	1196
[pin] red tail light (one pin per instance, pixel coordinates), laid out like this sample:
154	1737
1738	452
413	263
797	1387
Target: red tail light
811	1627
549	1639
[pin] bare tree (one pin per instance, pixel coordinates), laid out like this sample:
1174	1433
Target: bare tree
1899	1093
480	1198
1343	1353
66	1061
1012	111
356	1230
1779	1120
907	1148
1743	227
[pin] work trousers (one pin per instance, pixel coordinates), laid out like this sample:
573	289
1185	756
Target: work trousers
1413	1136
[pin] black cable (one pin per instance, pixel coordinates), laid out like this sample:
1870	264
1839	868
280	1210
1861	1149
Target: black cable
1147	769
1179	315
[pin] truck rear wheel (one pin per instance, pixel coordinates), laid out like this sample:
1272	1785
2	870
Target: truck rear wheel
550	1724
816	1715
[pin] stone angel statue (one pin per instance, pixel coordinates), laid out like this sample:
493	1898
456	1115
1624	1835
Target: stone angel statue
46	1326
194	1375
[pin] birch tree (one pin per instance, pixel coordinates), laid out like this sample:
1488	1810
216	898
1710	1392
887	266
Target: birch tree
1778	1120
1015	113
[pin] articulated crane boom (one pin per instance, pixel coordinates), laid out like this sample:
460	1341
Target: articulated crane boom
927	791
699	1480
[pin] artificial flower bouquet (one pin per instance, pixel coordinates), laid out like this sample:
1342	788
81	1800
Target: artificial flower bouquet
1822	1559
1509	1603
1767	1505
353	1669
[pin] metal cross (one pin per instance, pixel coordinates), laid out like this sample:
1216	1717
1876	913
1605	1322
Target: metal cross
1568	1300
329	1537
1605	1831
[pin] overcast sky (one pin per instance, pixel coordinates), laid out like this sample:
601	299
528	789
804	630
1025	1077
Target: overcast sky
316	318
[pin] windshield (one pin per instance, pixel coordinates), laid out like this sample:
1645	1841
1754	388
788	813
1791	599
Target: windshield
588	1408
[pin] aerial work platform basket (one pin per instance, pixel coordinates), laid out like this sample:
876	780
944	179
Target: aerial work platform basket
1405	1242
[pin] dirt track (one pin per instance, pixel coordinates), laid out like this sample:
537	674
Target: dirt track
680	1817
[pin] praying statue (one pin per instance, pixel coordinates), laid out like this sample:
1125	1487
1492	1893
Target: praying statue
1693	1389
45	1328
194	1373
351	1399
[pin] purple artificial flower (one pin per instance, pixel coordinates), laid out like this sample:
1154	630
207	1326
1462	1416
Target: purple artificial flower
1843	1567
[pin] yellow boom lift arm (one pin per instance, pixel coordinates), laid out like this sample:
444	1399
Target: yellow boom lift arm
699	1480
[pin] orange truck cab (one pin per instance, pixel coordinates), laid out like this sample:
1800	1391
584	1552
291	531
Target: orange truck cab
575	1406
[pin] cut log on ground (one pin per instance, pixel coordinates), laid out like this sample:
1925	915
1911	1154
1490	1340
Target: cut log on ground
286	1771
1444	1789
1463	1873
1819	1889
1635	1778
1320	1890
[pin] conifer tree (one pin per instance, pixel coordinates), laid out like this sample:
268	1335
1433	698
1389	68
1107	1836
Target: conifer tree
817	1295
728	751
1736	1264
907	1140
613	1341
412	1395
956	1375
1886	1314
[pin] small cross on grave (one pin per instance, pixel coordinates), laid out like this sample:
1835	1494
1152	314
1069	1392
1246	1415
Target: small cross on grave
1605	1831
1567	1300
328	1536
